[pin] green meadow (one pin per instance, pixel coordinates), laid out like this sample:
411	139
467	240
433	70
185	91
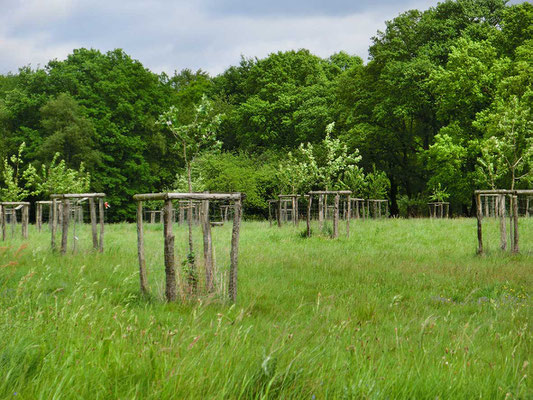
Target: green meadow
402	309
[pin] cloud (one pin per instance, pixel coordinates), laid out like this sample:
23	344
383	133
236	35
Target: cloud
171	35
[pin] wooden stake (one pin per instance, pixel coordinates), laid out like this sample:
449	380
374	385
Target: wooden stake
101	212
53	213
170	272
208	246
479	231
64	231
279	213
515	223
39	216
309	215
140	246
336	217
94	229
349	216
503	233
320	211
25	221
4	221
234	255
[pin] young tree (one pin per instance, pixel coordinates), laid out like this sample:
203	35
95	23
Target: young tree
509	147
58	178
193	137
18	182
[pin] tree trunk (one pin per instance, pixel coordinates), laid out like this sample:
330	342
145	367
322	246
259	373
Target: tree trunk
393	194
190	257
170	272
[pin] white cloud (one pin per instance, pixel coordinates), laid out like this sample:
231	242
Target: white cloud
171	35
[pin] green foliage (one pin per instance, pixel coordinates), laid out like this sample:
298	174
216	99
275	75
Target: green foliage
18	182
376	184
58	178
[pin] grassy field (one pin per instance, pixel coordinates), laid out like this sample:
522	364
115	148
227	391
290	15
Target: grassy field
402	309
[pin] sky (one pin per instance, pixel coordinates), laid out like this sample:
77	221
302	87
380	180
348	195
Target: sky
170	35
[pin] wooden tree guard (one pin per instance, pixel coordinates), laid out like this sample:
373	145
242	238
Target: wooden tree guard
321	198
202	199
64	201
283	210
439	209
499	198
11	207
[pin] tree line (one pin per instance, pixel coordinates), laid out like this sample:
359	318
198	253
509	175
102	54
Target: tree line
442	107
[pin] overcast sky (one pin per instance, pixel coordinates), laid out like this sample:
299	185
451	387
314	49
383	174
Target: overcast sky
168	35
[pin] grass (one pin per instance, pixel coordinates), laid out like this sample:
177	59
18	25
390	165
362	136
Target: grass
402	309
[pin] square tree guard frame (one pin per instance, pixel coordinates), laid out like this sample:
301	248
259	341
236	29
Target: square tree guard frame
98	240
170	268
12	207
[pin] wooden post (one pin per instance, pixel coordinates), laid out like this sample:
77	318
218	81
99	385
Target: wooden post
503	233
64	224
486	206
320	211
181	214
101	212
170	272
25	220
515	223
269	213
53	212
208	246
152	217
13	221
527	207
4	221
336	217
94	230
140	244
511	215
357	209
279	213
309	215
479	231
234	255
39	216
349	216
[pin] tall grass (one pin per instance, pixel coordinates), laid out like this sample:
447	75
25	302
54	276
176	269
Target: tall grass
402	309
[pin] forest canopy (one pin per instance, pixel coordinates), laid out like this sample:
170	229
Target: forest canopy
443	103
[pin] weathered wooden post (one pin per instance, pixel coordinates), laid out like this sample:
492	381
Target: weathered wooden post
515	223
39	216
503	233
101	212
479	231
336	217
64	231
53	214
208	246
320	211
25	220
308	220
279	213
94	229
140	246
234	255
349	216
270	213
4	221
170	272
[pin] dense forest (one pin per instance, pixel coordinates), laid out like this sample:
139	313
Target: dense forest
443	106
